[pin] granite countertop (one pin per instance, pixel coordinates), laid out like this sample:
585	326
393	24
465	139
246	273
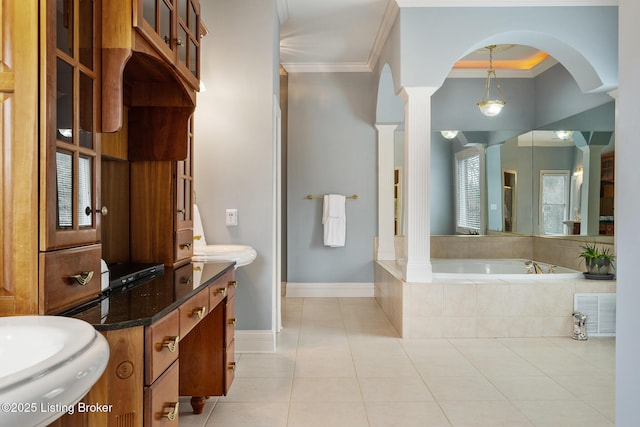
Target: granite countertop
147	301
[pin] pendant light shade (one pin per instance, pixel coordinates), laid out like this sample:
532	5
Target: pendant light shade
449	134
491	107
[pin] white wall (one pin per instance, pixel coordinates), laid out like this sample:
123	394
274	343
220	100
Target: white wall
627	224
234	144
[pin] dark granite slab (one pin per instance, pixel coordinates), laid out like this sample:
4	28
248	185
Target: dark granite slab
149	299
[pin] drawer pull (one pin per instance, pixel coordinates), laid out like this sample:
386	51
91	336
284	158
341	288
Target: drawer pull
232	366
173	411
232	321
171	343
199	312
186	280
233	283
186	246
83	278
222	291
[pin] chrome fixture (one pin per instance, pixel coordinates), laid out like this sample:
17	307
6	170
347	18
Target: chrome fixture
491	107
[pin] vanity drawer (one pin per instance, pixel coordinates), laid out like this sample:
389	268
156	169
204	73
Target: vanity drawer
216	288
69	277
230	321
192	311
161	345
183	280
161	400
230	365
184	244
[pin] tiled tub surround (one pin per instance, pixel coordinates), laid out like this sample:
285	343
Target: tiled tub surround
451	308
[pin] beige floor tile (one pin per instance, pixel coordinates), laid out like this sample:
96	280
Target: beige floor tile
249	415
186	416
400	389
339	362
531	388
259	390
485	414
445	363
326	390
567	413
462	388
256	367
325	367
383	366
406	414
333	414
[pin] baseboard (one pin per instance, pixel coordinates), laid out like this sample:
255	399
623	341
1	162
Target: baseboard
257	341
342	290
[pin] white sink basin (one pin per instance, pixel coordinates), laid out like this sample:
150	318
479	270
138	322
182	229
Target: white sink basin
241	254
48	364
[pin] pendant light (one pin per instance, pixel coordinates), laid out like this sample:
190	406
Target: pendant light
491	107
449	134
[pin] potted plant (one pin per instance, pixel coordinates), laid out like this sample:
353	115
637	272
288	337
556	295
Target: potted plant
597	260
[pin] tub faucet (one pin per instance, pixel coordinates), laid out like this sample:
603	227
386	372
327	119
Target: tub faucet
552	269
532	267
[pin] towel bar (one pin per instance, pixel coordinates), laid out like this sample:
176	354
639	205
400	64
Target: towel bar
355	196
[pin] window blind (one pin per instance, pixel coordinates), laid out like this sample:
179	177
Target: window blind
469	203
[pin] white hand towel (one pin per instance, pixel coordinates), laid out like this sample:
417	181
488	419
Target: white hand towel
334	219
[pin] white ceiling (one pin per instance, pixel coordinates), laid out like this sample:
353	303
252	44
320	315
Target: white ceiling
347	35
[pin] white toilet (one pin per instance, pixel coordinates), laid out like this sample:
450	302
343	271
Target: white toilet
241	254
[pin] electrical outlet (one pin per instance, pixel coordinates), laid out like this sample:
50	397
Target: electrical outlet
232	217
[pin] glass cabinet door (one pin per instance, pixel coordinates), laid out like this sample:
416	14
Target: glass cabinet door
173	27
71	143
184	186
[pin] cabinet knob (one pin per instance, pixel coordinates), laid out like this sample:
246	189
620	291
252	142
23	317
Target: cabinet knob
171	343
232	366
233	283
102	211
179	41
186	280
83	278
173	411
186	246
221	291
199	312
232	321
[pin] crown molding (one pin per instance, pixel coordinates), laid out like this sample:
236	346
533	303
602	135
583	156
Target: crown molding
283	10
390	14
356	67
503	3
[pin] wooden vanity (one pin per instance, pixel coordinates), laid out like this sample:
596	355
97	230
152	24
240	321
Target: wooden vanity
170	336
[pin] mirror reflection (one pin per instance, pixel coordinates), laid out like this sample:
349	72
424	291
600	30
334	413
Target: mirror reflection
542	167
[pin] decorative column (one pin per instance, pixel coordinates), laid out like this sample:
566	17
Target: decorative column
386	167
417	148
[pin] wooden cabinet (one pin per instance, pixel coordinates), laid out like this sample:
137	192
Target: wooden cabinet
70	145
70	207
607	191
172	27
189	351
19	120
161	209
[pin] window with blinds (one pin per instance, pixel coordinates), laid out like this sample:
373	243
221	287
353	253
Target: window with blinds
468	191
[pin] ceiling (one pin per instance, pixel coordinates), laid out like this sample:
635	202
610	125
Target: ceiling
347	35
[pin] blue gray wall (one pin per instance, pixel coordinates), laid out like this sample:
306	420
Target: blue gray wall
234	147
332	148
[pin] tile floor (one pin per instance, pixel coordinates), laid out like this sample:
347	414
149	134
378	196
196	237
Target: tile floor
339	362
